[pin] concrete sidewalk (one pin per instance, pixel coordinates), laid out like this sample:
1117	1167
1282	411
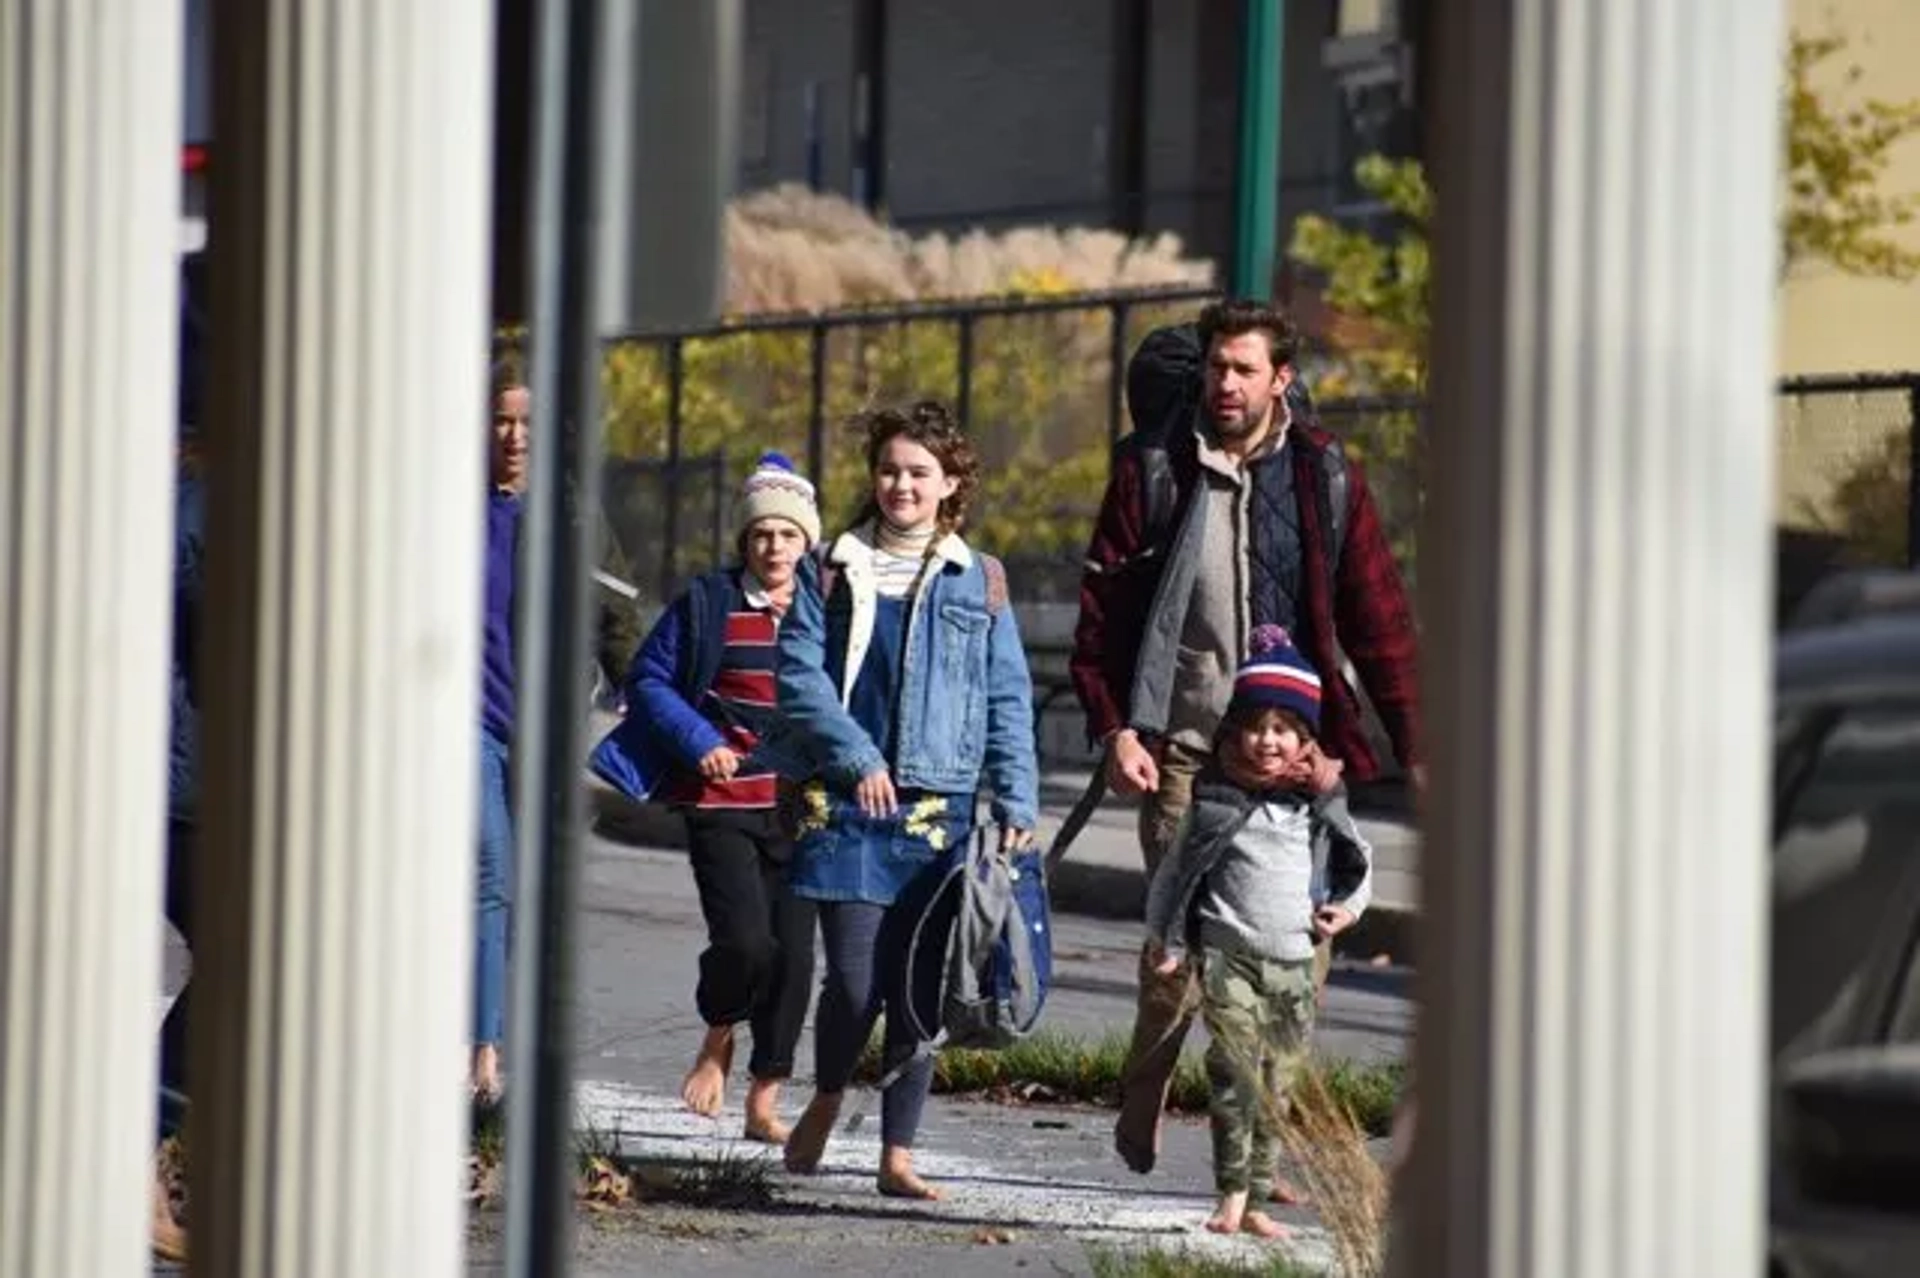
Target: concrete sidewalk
1033	1188
1043	1177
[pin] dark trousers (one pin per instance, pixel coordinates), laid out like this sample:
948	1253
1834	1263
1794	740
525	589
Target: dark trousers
758	964
866	948
173	1030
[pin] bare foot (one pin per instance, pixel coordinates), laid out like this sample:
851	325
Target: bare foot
807	1143
1284	1193
1229	1215
897	1178
705	1087
1261	1225
486	1073
763	1113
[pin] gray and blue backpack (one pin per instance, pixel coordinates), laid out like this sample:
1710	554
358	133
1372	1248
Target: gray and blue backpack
988	929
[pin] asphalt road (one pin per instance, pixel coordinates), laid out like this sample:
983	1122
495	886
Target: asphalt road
1031	1189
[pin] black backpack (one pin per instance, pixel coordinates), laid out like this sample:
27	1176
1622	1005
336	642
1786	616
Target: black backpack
1165	379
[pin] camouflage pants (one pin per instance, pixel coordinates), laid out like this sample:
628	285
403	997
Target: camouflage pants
1166	1004
1259	1013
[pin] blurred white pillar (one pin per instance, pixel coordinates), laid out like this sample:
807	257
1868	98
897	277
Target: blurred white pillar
348	324
1597	592
89	203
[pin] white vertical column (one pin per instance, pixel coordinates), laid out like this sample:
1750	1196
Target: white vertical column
1597	591
348	321
89	167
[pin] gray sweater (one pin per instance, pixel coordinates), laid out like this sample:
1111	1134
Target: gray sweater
1248	875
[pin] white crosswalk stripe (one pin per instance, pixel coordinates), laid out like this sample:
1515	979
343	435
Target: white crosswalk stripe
640	1124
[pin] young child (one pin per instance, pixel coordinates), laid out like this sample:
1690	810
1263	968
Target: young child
702	685
1268	863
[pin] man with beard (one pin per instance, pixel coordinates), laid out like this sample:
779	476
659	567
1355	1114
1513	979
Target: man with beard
1228	508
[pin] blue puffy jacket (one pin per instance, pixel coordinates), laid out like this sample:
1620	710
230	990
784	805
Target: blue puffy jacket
189	545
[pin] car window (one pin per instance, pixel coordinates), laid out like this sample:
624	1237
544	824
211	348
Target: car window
1903	1025
1846	870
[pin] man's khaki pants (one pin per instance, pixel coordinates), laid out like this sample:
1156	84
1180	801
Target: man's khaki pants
1167	1004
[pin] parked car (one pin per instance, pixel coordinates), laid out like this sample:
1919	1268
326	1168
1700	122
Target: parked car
1844	1175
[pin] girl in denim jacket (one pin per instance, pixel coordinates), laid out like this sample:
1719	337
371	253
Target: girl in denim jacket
906	684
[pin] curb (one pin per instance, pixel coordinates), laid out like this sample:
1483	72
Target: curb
1076	887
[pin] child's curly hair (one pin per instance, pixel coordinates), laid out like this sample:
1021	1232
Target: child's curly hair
929	424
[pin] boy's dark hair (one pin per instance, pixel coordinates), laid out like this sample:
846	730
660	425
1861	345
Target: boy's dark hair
740	543
1241	716
509	372
928	424
1237	316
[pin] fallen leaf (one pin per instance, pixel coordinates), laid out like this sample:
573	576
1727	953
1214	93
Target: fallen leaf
990	1237
483	1180
604	1185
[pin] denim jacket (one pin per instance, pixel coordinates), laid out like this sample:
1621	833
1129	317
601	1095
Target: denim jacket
966	701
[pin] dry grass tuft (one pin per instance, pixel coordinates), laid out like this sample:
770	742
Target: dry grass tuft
1348	1187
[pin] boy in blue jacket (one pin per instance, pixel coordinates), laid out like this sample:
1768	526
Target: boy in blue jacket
700	701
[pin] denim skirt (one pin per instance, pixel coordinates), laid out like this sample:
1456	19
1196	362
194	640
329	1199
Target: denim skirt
842	854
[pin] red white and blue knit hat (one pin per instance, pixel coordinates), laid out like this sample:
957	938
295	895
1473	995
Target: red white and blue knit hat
775	490
1276	677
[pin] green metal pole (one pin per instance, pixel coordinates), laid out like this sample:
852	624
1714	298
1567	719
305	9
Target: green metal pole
1257	199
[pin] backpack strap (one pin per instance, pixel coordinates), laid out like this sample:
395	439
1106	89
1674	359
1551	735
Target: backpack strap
996	573
1163	491
935	924
1333	464
829	571
996	584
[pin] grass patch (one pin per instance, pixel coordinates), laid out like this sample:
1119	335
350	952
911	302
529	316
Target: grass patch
593	1144
1048	1067
1109	1262
726	1181
1368	1092
487	1133
1064	1068
607	1177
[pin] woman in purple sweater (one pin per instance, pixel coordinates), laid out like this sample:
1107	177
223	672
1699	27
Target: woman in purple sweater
511	406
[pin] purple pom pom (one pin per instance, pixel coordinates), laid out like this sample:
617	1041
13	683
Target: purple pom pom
1267	638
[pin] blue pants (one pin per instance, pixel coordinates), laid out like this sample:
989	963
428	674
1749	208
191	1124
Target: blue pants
493	901
868	973
173	1030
